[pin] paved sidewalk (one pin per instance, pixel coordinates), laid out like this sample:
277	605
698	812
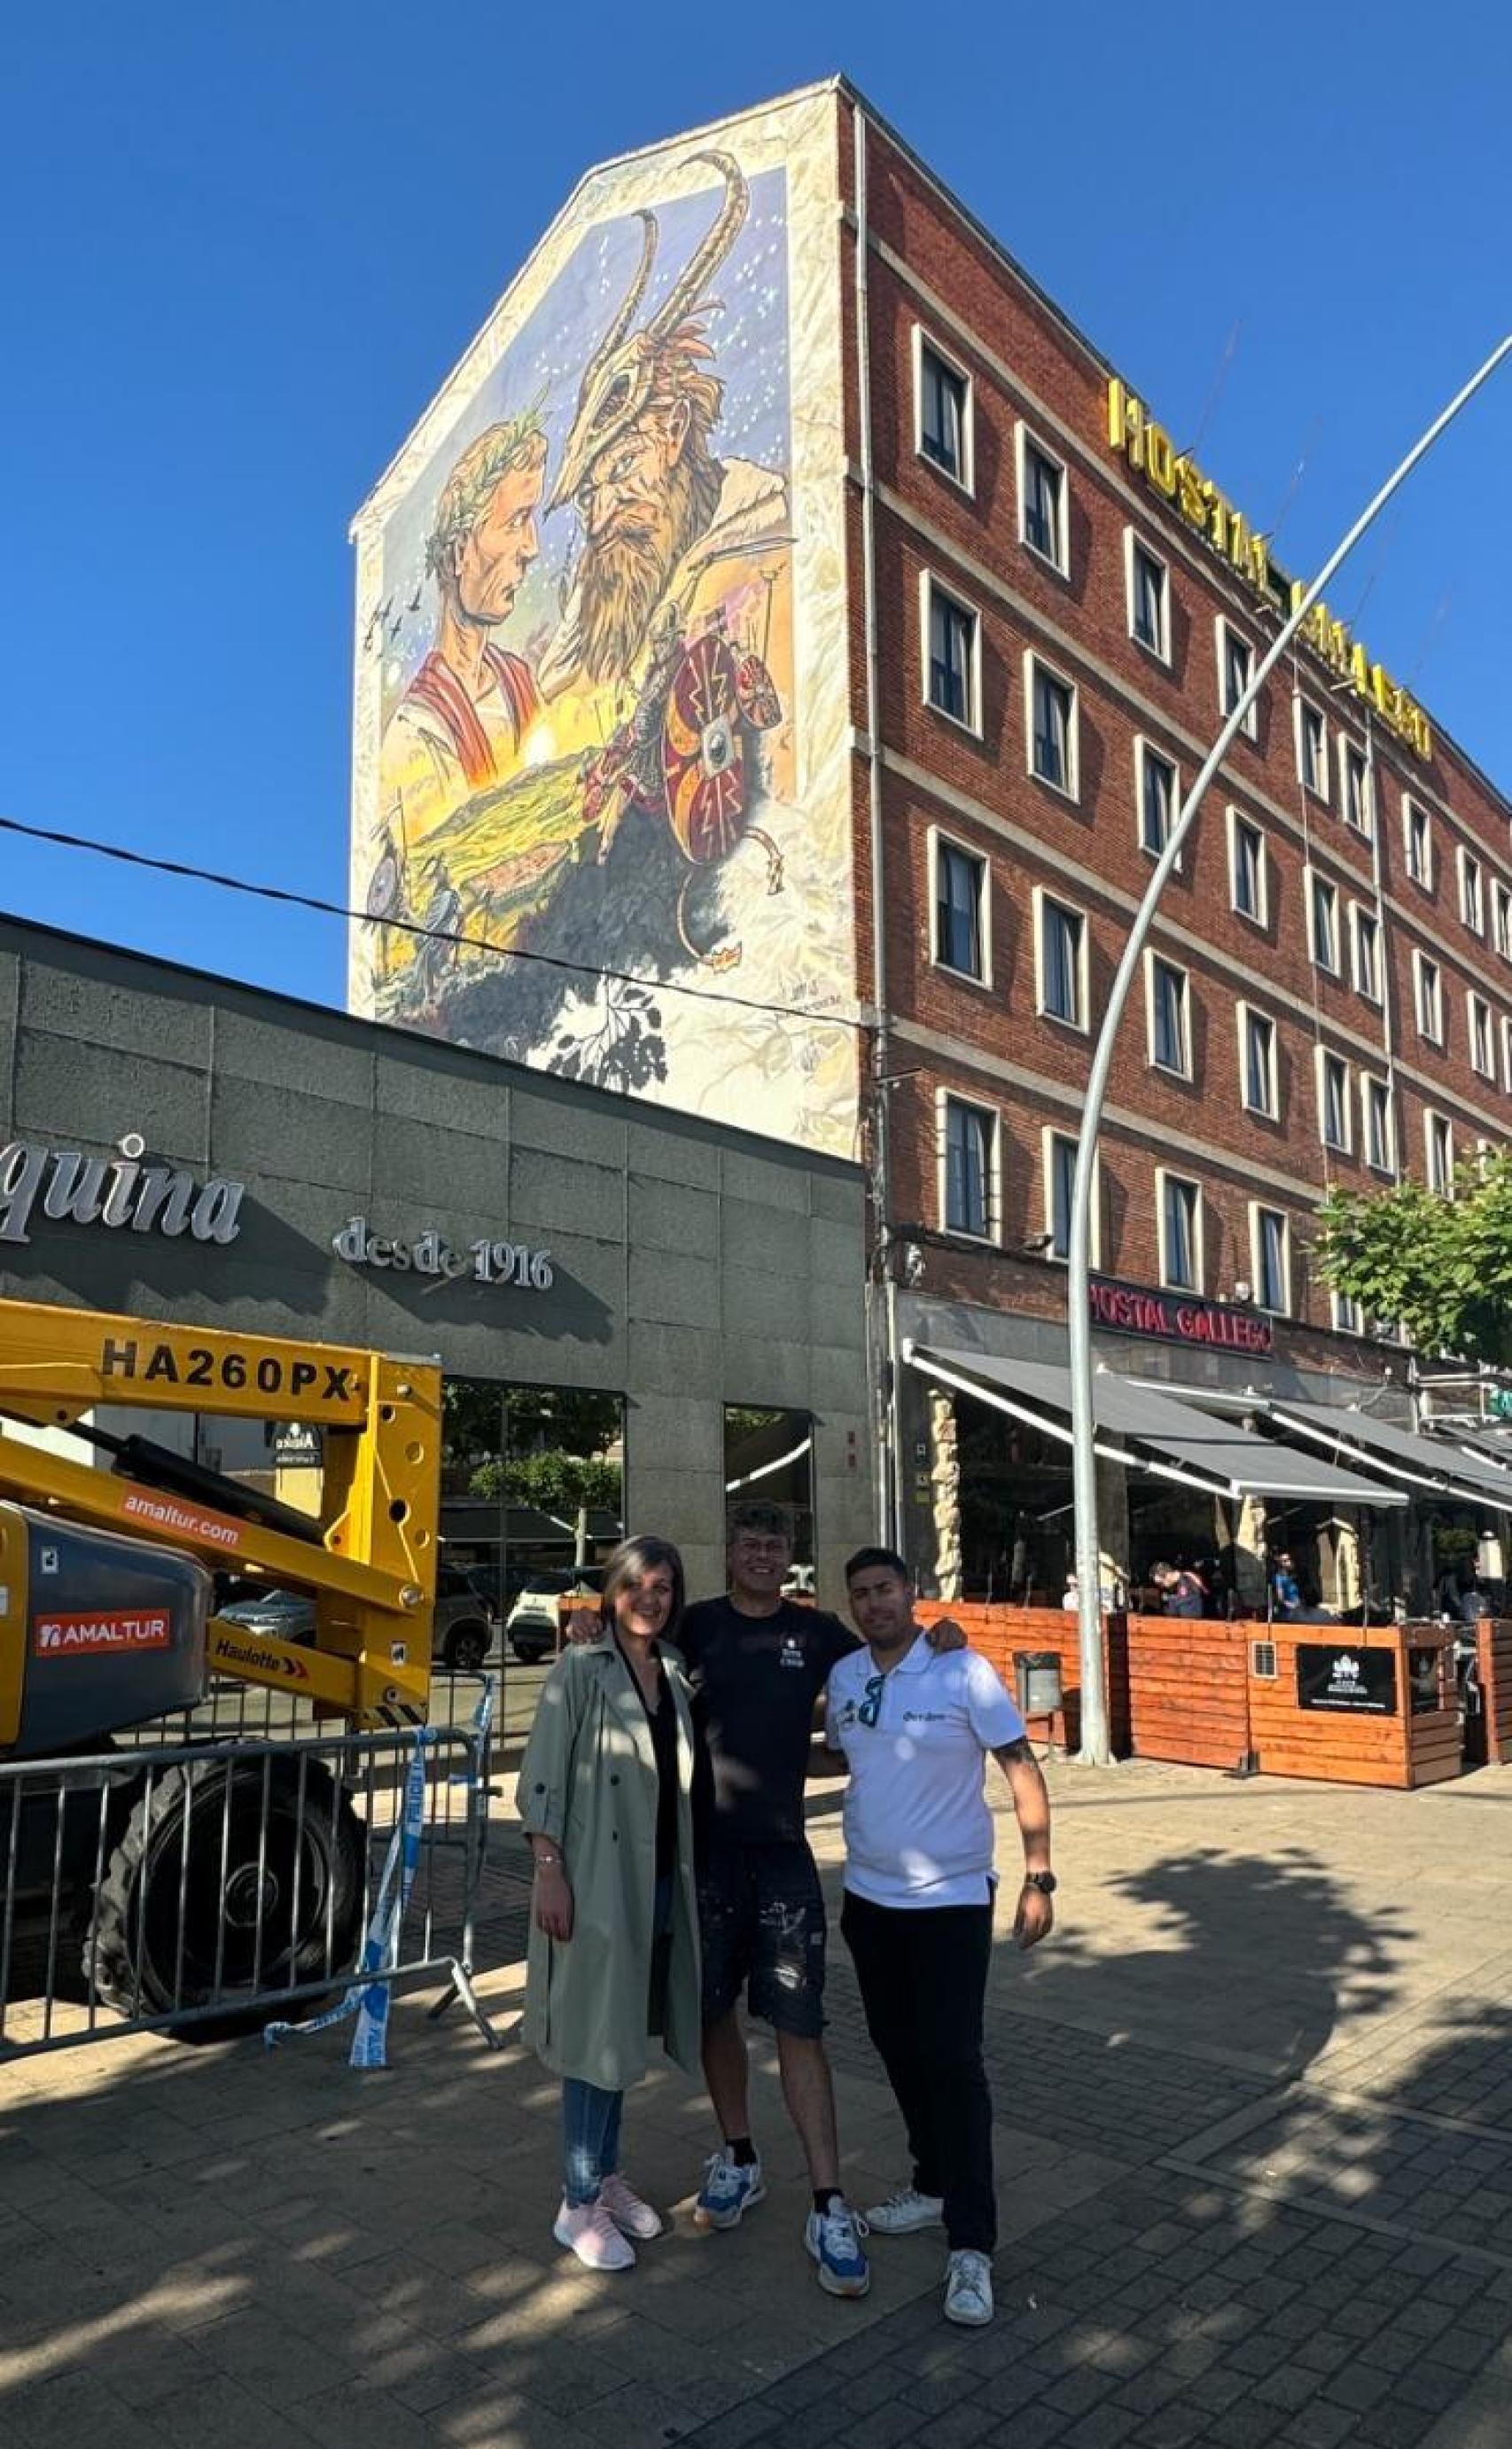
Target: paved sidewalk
1255	2151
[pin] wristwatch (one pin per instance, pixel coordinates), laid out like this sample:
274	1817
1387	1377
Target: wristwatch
1044	1881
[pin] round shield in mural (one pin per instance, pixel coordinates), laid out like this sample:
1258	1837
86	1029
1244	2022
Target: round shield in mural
756	693
701	754
385	884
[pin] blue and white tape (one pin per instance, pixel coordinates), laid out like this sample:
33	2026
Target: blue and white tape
371	1995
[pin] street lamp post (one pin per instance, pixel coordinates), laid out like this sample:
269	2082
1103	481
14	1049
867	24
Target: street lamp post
1094	1751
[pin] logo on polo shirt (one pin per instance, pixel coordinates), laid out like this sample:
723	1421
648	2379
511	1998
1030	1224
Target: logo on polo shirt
792	1651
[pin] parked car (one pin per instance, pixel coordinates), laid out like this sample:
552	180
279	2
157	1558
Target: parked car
532	1627
462	1628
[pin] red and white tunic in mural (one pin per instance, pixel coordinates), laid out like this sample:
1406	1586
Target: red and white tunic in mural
443	744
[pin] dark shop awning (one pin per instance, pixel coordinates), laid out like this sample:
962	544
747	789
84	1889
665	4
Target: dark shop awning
1151	1432
1399	1455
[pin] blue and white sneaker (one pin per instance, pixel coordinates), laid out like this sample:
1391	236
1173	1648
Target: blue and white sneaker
834	2238
728	2191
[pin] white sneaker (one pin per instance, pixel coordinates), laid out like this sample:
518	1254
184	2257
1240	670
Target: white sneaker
969	2288
631	2216
586	2230
905	2211
728	2191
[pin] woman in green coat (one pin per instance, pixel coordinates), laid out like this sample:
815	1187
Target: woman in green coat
605	1796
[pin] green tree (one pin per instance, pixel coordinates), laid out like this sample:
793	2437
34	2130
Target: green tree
1441	1267
552	1480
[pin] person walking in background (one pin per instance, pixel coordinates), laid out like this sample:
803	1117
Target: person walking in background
605	1799
1181	1591
1285	1591
915	1729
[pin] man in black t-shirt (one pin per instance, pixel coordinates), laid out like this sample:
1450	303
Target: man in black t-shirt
759	1664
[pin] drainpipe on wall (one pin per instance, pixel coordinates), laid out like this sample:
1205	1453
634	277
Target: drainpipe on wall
884	1311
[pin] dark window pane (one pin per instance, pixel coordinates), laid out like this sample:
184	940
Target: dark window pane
942	416
769	1463
959	881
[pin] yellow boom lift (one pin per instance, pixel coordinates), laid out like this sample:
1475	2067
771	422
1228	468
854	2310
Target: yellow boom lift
107	1621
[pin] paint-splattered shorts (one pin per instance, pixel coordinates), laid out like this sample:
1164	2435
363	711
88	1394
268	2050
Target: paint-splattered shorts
762	1921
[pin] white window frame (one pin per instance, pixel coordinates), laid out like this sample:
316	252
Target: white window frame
1349	1318
1425	878
1223	629
1041	898
1433	1122
1472	889
1025	441
1507	1052
1385	1163
1501	918
1479	1034
1317	788
1153	960
1050	1138
1260	917
1360	917
1316	881
930	584
965	482
992	1238
1145	749
1350	748
1164	1175
1259	1207
1135	543
1245	1011
1322	1057
1071	788
1421	963
940	839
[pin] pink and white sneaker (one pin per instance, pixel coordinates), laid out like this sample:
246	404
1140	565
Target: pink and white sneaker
631	2216
587	2230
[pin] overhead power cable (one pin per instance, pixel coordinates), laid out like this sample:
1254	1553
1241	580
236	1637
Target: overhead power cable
415	927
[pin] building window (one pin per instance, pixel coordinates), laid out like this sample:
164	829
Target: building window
1472	894
1323	923
1043	502
1349	1318
769	1454
1247	874
955	645
1334	1101
1506	1056
943	397
1236	669
960	909
1483	1059
1271	1237
1149	598
1356	792
1257	1060
1439	1139
1312	749
1166	988
1367	934
1428	984
1157	798
970	1167
1179	1216
1062	943
1417	830
1501	918
1380	1139
1053	723
491	1432
1059	1181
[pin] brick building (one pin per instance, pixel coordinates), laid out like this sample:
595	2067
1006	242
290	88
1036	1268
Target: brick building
1001	620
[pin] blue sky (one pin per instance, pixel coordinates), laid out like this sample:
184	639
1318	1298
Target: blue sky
244	251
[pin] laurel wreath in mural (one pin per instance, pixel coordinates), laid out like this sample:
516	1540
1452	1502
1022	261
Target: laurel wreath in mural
465	496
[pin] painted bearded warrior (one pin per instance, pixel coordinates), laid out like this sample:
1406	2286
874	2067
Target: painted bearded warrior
462	721
657	509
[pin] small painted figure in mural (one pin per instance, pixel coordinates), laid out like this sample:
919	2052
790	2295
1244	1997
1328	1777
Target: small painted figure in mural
462	721
439	955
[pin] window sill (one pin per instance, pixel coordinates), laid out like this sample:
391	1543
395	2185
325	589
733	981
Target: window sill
1153	654
1046	561
956	722
1060	790
962	485
961	977
1058	1020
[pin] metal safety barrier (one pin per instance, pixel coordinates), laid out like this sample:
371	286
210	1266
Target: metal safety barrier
200	1884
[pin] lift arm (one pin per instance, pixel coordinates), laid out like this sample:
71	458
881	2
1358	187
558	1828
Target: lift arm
372	1570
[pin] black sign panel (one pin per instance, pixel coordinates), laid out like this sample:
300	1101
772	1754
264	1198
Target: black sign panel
297	1445
1362	1683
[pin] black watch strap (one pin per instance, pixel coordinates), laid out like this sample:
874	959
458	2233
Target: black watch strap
1044	1881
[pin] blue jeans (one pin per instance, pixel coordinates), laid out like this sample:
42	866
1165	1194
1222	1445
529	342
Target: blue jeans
590	2138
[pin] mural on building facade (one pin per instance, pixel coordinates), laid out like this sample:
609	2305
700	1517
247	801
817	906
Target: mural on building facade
589	782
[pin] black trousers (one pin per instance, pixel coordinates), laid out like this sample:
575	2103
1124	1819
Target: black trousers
924	1979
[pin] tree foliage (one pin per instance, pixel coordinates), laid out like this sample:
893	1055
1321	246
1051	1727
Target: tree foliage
1438	1265
552	1480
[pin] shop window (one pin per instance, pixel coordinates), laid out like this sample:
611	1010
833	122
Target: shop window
944	406
532	1485
768	1468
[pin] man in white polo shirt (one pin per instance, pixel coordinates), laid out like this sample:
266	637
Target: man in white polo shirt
914	1727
